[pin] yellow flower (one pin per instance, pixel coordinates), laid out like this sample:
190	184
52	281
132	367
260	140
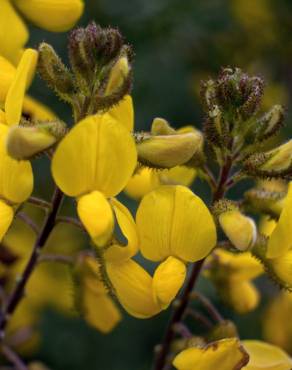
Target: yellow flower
52	15
231	354
96	306
278	254
227	354
172	221
16	177
146	180
93	163
232	275
264	356
277	326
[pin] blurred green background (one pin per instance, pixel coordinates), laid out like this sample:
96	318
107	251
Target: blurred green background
177	44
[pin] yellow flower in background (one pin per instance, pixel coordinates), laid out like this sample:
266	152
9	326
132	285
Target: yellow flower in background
227	354
92	298
100	155
277	325
146	180
16	177
232	275
52	15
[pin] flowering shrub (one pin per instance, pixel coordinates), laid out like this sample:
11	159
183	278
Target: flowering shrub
100	156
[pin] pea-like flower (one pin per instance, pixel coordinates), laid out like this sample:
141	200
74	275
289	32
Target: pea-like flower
52	15
231	354
16	177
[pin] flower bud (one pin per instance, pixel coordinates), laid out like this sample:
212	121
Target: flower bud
279	159
55	73
161	127
270	123
25	142
225	329
119	73
240	229
167	151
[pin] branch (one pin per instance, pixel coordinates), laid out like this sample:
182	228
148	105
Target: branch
29	222
13	358
39	203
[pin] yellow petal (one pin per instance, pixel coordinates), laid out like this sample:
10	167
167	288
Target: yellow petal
23	77
172	221
240	229
167	280
227	354
52	15
6	217
124	112
36	110
267	225
13	32
16	177
96	215
7	73
98	308
280	240
118	252
241	266
133	287
264	356
144	181
179	175
242	296
97	154
2	117
282	268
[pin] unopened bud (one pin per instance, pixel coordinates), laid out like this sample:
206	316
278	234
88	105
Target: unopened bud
279	159
225	329
118	75
270	123
167	151
240	229
26	142
55	73
161	127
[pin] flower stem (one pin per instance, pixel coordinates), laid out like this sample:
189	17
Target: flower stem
13	358
19	290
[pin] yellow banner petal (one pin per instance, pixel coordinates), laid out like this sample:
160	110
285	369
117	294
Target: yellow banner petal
124	112
167	281
280	241
52	15
13	32
23	77
227	354
118	252
16	177
97	154
173	221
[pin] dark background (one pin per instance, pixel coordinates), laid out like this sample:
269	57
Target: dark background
177	43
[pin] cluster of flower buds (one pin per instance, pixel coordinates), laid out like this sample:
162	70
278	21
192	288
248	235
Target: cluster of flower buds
100	74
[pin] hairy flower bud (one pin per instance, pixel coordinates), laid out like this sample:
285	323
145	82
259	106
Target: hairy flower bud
119	73
26	142
55	73
166	151
240	229
270	123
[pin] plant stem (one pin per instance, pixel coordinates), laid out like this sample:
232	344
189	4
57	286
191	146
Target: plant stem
19	290
214	313
180	309
13	358
39	203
